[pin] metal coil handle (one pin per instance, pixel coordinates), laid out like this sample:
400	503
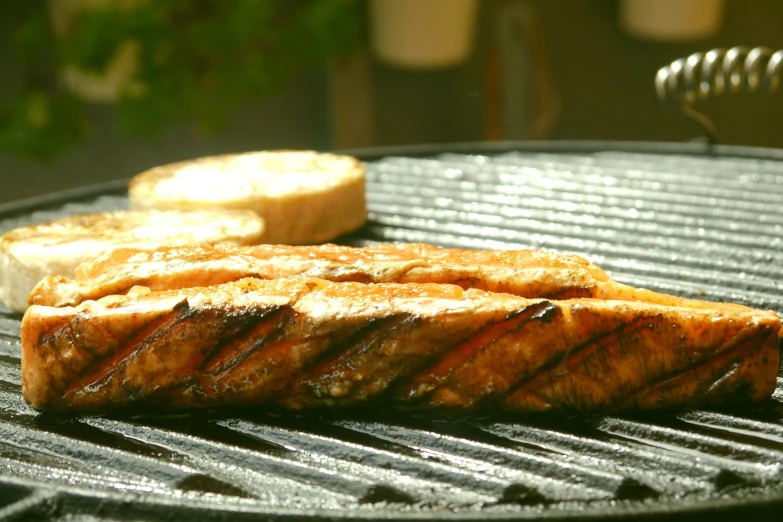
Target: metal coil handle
701	75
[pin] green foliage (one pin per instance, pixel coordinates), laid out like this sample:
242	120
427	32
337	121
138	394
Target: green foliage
41	125
197	61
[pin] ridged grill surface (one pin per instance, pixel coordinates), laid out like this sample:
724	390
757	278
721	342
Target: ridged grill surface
705	227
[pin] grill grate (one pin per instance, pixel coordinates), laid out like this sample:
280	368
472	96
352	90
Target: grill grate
703	227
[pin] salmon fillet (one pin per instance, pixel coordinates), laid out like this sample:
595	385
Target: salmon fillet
305	342
524	273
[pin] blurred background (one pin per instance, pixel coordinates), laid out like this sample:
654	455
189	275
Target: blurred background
97	90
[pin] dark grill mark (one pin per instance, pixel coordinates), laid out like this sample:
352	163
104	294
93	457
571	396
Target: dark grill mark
258	331
571	292
356	340
104	368
739	351
343	367
595	343
443	367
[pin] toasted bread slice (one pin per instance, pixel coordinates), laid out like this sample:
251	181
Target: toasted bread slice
57	247
304	197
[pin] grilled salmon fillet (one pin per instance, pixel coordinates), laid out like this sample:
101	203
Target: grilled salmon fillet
306	342
524	273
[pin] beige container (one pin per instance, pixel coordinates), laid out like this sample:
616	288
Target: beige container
672	20
422	34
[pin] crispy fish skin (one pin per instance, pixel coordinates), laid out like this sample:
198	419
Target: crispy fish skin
306	342
524	273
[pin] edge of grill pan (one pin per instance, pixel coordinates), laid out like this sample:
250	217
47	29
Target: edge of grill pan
375	153
125	508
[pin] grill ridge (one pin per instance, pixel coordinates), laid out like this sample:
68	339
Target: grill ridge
698	226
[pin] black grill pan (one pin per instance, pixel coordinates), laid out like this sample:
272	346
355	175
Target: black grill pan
684	219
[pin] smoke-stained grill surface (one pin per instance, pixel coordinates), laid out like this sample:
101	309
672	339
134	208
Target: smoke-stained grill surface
698	226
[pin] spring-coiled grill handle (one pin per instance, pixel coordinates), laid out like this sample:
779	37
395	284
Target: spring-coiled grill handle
701	75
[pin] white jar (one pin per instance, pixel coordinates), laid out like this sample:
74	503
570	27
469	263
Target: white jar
672	20
422	34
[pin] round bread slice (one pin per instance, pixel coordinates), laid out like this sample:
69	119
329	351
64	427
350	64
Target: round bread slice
57	247
305	197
